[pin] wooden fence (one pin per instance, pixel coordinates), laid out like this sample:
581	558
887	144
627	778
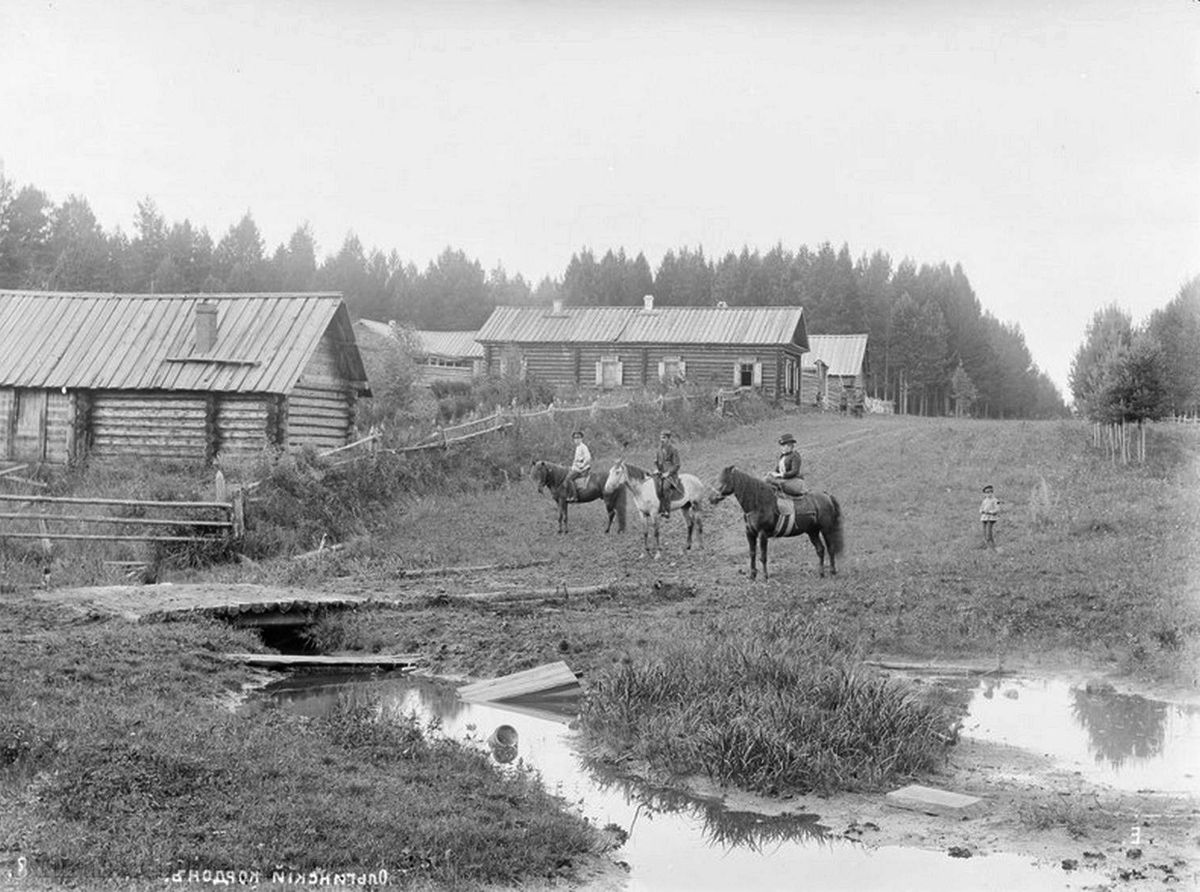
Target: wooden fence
1121	441
140	521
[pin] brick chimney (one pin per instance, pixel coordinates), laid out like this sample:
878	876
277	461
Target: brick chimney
648	303
206	327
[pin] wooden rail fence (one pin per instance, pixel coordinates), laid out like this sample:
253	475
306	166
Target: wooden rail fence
84	514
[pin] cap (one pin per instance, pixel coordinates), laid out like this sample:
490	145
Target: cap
988	488
577	434
787	438
666	433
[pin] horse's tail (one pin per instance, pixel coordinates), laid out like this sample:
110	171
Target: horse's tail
835	537
619	500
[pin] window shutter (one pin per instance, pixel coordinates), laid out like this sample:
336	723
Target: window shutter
682	369
620	373
758	374
737	374
662	370
599	373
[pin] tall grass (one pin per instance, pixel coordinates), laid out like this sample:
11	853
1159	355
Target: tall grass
779	705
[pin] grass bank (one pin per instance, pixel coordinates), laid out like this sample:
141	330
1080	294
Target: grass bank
118	762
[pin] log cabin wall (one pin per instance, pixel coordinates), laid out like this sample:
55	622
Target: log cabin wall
320	408
162	425
707	364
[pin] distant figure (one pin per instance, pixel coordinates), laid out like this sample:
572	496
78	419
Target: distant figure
666	463
859	399
581	466
787	477
843	401
989	511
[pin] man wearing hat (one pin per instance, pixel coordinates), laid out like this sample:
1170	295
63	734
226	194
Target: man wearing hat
666	462
787	477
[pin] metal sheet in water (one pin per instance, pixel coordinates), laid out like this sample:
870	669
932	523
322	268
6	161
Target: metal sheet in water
1126	741
679	842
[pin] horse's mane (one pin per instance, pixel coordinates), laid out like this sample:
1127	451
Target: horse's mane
752	494
636	474
553	474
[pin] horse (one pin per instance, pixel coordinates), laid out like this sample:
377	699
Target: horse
550	476
640	484
818	514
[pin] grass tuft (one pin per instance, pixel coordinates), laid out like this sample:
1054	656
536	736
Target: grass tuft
779	706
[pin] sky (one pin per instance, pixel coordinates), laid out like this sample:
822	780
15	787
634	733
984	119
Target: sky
1051	148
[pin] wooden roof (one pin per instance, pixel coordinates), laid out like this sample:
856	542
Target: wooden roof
148	341
638	325
842	353
447	344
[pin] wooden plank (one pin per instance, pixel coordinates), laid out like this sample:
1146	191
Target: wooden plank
556	677
113	537
150	521
330	661
67	500
933	801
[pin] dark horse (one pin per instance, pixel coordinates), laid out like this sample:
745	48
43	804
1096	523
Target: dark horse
818	514
550	476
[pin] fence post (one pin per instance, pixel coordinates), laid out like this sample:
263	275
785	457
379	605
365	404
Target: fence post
237	513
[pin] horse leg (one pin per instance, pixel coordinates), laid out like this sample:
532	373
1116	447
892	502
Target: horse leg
657	545
815	538
832	562
646	534
762	541
752	541
687	516
562	516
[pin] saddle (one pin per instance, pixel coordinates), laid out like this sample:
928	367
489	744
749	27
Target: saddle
791	509
793	506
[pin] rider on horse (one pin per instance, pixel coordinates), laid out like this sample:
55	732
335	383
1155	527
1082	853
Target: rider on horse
786	478
580	467
666	463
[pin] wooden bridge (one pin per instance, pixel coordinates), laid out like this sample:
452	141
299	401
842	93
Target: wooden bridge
241	604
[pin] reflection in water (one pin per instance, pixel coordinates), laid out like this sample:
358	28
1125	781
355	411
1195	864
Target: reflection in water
1120	725
675	841
722	827
1126	741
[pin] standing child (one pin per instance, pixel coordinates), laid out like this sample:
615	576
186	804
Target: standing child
989	510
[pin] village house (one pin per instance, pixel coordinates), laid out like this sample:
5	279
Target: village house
174	376
439	355
837	363
610	347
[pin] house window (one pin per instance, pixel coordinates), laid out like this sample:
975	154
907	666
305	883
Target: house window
672	370
747	372
609	372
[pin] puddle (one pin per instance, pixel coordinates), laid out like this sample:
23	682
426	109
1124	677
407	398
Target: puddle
676	841
1125	741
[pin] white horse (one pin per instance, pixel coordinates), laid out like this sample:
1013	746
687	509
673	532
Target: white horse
641	487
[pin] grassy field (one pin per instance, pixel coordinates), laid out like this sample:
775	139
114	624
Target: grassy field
1093	562
115	735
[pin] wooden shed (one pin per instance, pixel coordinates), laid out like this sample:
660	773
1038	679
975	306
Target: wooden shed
174	376
610	347
440	355
845	360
